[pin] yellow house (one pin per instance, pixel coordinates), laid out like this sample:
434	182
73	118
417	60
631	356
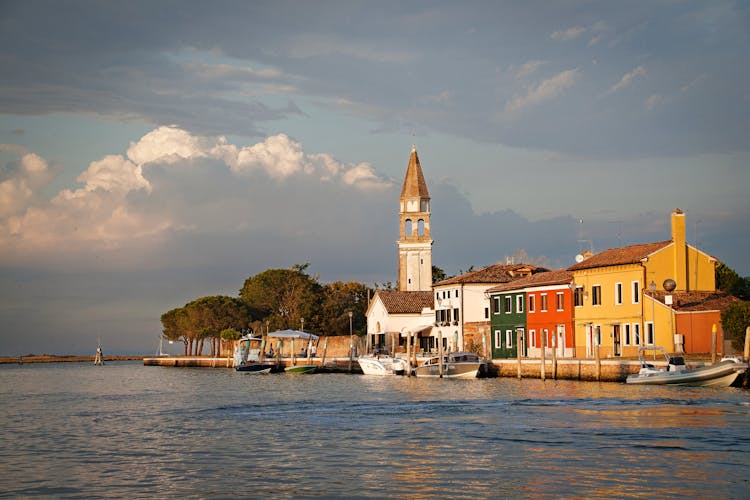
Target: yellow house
622	296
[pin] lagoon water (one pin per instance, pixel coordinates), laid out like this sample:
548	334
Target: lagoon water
72	430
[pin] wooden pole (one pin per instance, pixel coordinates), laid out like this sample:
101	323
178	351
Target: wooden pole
408	353
278	353
543	367
554	355
598	363
713	343
440	352
325	349
294	360
747	343
518	351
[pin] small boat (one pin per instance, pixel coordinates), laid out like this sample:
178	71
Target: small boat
455	365
381	364
722	374
247	356
301	369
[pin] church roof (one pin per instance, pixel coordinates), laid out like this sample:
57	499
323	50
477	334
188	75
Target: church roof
414	183
632	254
496	273
398	302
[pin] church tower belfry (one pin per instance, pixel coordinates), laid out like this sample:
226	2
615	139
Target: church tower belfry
415	243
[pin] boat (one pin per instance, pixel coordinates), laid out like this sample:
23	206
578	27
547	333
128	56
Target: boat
381	363
722	374
247	356
294	368
461	365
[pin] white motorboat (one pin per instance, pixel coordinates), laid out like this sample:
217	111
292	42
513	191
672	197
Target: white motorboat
381	364
455	365
722	374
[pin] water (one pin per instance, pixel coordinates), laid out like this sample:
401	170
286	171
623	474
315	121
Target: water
71	430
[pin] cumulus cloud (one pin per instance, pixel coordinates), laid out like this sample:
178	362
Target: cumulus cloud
545	90
568	34
627	79
527	69
158	187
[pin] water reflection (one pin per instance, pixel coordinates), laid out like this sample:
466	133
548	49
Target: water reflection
129	430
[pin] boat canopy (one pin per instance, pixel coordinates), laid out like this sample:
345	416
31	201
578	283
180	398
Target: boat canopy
292	334
416	330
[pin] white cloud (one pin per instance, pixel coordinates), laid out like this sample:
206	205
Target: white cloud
545	90
653	101
118	205
568	34
627	79
527	69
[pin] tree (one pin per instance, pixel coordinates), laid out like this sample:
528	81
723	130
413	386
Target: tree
734	320
727	280
284	296
338	299
437	274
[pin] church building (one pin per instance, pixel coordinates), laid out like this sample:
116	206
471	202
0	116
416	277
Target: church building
393	313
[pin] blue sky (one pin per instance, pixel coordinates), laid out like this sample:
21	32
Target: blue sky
156	152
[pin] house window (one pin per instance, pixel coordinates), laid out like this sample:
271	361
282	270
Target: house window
532	305
519	303
449	294
543	302
455	315
618	294
508	305
626	340
509	339
448	315
437	296
532	338
636	288
456	294
498	339
649	333
486	313
544	338
496	305
596	295
437	316
560	301
636	334
578	297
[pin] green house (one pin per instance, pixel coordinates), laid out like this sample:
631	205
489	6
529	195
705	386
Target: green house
507	315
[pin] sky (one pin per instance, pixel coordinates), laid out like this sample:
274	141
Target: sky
155	152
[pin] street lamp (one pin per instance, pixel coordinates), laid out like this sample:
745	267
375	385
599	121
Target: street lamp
351	343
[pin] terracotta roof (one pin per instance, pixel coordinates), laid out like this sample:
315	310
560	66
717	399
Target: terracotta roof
496	273
620	256
559	277
397	302
414	184
697	301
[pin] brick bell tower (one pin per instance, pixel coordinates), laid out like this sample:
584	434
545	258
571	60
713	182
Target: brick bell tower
415	243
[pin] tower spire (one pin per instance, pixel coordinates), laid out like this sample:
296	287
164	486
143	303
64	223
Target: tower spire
415	243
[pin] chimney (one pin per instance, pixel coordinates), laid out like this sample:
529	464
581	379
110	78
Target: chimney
680	272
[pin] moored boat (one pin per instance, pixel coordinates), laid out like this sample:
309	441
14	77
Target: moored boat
722	374
381	364
247	356
460	365
301	369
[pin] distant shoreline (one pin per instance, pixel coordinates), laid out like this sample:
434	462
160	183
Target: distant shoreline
53	358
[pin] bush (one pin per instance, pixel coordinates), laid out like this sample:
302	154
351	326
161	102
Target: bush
734	320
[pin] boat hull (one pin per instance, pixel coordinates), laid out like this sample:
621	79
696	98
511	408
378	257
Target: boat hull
299	369
373	365
465	370
256	368
719	375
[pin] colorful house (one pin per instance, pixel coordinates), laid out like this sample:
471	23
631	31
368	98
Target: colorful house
538	310
617	291
462	311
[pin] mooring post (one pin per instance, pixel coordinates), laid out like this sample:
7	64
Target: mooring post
440	352
554	356
325	348
543	366
518	352
598	364
713	343
746	355
408	353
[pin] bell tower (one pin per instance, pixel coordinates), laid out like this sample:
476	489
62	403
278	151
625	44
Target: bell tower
415	243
